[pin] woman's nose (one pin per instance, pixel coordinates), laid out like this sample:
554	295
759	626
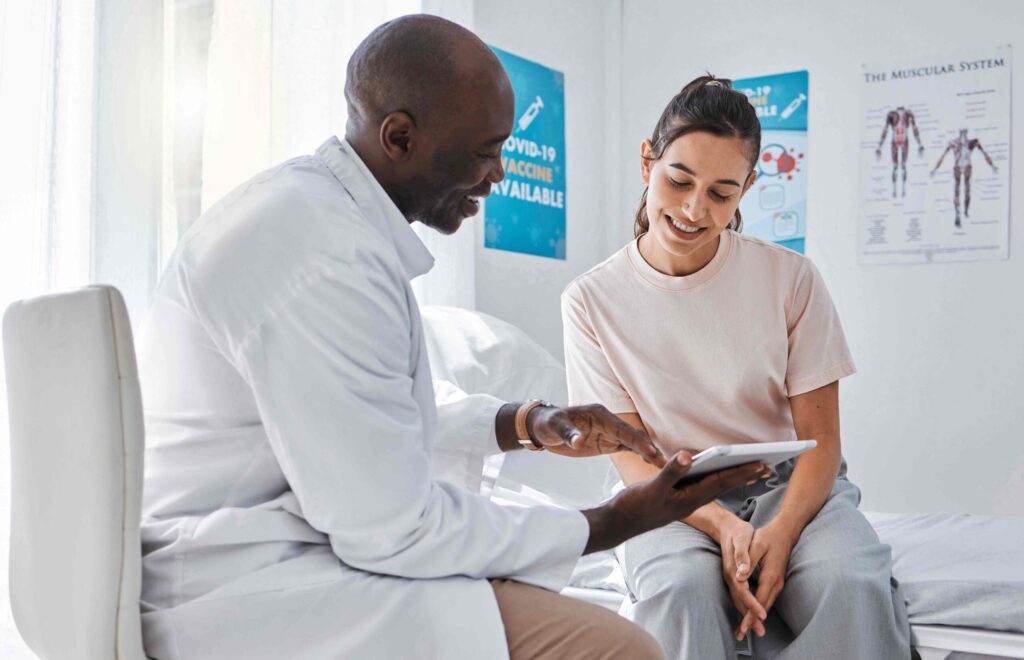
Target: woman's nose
692	208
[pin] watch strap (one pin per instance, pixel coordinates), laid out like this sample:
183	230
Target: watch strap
522	434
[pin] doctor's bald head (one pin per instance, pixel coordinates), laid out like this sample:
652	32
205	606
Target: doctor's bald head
430	107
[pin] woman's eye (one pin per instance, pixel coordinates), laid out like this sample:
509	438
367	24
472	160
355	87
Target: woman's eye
488	156
686	184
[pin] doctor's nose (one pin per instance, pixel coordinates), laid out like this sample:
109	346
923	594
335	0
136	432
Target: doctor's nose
496	173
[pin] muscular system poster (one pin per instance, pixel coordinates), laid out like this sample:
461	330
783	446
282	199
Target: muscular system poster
935	159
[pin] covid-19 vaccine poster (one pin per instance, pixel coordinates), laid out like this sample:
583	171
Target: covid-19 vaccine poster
526	211
775	209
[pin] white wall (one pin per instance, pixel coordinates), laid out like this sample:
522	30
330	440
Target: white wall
570	36
934	420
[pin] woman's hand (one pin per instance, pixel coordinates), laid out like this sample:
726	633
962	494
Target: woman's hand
815	415
770	549
735	536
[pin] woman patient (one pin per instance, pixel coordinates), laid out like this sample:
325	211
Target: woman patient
703	336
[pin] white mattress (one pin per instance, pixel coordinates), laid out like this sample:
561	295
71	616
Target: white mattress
958	570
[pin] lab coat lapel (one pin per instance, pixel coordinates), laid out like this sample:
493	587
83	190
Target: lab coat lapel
342	160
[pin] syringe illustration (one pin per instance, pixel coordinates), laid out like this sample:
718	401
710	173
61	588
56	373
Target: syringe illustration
530	114
791	108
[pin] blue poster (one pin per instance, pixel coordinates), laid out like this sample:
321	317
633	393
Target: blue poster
775	209
526	211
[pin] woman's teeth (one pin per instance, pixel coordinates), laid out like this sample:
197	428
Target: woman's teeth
682	227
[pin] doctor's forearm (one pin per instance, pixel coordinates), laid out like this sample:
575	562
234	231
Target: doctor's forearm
709	518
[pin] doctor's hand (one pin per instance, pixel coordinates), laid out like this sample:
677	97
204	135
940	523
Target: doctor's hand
650	504
770	550
588	431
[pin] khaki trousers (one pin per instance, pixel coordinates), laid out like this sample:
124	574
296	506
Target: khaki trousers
543	625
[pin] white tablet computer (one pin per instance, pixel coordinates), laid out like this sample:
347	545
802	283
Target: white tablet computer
726	456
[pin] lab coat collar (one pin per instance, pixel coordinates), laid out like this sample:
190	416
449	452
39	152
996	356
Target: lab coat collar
343	161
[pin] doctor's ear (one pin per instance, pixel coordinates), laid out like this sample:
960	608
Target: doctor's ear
396	135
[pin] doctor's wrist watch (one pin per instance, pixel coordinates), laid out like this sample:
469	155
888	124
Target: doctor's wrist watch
522	433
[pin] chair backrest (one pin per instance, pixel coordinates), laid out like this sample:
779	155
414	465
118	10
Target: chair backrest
76	431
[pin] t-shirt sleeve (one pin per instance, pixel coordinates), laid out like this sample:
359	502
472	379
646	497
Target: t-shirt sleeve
818	354
589	375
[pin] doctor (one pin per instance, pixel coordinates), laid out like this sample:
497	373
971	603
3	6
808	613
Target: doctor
291	509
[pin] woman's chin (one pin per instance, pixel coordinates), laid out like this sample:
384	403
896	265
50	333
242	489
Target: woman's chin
680	247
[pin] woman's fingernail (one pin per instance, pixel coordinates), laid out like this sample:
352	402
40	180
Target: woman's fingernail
741	568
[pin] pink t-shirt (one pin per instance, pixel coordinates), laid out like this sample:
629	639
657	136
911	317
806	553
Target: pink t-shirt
706	359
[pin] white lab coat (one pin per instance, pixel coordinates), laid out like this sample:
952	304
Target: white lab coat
290	506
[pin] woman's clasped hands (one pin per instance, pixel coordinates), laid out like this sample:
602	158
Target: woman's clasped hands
746	551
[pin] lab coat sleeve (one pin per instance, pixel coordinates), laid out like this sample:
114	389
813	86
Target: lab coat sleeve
332	369
466	435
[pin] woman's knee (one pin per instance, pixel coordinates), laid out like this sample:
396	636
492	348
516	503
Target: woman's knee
692	584
851	581
700	575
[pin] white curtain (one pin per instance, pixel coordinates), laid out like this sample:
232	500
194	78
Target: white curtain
276	79
80	151
275	87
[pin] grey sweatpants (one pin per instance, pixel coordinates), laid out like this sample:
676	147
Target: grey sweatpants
839	599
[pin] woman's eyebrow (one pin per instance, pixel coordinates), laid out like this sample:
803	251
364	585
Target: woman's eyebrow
684	168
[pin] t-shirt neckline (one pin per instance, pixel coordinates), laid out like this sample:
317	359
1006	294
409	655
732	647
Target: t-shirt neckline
652	276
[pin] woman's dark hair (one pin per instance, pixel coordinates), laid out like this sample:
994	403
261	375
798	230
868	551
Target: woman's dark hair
708	105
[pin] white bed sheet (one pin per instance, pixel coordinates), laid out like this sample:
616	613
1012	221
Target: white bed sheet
958	570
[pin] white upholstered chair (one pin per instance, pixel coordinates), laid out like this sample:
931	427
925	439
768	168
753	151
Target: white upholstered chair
76	485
